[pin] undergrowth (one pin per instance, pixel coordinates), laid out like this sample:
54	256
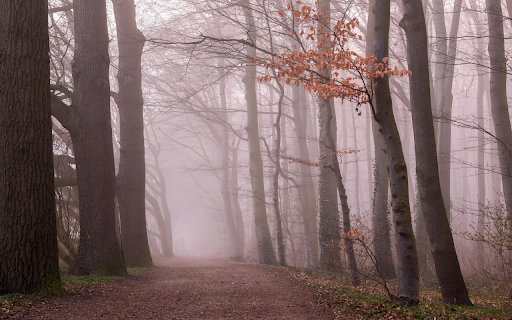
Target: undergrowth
370	301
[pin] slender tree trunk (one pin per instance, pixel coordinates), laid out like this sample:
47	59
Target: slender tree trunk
28	228
333	165
277	170
225	186
408	276
306	189
266	254
380	212
99	251
481	140
499	105
447	266
445	125
131	179
329	222
236	203
357	172
441	51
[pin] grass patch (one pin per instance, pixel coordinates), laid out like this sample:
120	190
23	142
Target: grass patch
369	301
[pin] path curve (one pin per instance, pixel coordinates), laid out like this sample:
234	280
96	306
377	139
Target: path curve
188	288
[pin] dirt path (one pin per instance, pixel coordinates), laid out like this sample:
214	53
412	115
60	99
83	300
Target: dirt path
185	288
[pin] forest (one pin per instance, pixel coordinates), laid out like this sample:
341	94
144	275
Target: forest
349	145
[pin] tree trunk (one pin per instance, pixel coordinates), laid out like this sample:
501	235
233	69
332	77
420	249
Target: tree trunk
333	164
447	266
306	188
28	233
380	212
237	253
329	222
99	251
445	125
266	254
131	179
499	106
408	276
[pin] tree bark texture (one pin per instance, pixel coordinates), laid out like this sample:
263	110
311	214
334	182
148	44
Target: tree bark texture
446	263
499	105
99	251
329	220
380	211
28	232
131	179
266	254
408	272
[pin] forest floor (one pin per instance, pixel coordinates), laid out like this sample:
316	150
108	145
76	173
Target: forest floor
181	288
194	288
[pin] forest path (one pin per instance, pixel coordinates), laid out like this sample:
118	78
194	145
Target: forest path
188	288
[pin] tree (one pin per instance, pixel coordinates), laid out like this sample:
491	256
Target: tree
99	251
447	265
499	103
329	219
380	211
266	254
28	234
131	177
408	285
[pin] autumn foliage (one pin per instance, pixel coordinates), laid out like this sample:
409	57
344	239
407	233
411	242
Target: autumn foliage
348	75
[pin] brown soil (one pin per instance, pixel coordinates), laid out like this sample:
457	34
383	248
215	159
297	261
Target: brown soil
186	288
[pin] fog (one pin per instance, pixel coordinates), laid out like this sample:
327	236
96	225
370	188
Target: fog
194	88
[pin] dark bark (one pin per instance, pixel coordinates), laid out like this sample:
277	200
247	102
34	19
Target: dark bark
447	266
28	233
408	274
99	251
131	178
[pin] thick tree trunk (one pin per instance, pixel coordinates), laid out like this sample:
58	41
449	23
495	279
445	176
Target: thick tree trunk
408	276
28	234
99	252
445	125
447	266
329	222
266	254
499	106
131	179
